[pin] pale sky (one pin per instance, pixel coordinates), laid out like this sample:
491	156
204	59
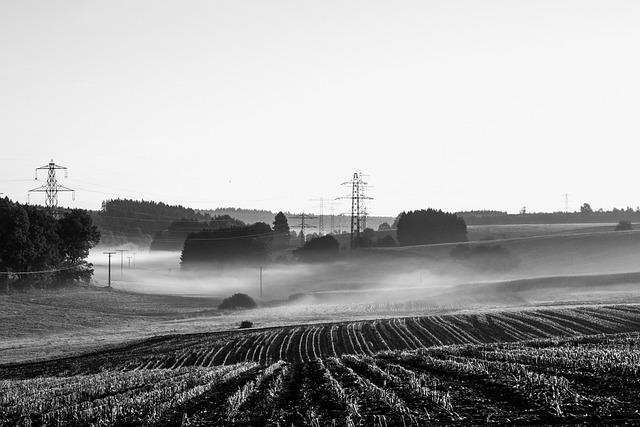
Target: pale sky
455	105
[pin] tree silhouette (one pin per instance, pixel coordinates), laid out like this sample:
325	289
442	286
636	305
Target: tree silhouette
281	231
430	226
237	302
41	250
320	249
248	244
586	208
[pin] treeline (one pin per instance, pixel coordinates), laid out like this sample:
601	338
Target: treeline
237	244
423	227
258	242
164	227
174	237
137	221
248	216
40	250
586	215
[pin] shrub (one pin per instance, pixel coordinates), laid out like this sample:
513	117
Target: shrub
246	324
320	249
238	302
623	226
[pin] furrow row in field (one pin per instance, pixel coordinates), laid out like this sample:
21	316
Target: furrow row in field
307	342
581	380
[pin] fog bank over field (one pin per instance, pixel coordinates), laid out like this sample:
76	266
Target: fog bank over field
159	272
404	276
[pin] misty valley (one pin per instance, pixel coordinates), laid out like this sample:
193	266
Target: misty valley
218	320
319	214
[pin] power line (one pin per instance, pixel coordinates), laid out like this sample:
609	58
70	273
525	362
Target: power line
53	270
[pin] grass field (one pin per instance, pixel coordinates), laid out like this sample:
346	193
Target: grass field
406	336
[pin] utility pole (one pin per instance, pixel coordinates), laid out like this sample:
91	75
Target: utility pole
122	251
129	258
260	282
134	260
110	253
51	187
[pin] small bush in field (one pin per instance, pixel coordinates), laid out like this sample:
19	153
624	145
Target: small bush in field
623	226
246	324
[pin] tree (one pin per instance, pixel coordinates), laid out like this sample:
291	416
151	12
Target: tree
366	239
280	224
586	208
238	301
320	249
77	235
39	249
386	242
248	244
430	226
384	226
15	242
281	231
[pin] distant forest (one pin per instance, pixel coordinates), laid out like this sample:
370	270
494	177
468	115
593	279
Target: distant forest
140	222
585	215
123	221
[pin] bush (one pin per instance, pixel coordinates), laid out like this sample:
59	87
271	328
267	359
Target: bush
320	249
386	242
623	226
246	324
238	302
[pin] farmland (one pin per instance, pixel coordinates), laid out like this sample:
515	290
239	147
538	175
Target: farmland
590	379
303	343
406	337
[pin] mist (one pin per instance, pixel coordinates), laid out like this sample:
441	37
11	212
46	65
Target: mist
407	280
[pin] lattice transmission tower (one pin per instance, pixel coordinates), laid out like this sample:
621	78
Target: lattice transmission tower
304	223
51	188
321	216
358	209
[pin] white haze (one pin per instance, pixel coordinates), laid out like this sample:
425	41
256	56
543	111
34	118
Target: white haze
409	279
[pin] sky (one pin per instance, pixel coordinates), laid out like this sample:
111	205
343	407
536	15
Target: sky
449	104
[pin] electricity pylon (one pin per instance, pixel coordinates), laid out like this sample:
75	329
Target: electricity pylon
321	217
303	224
51	187
358	210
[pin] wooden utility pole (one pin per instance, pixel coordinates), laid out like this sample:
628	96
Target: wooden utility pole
122	251
110	253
